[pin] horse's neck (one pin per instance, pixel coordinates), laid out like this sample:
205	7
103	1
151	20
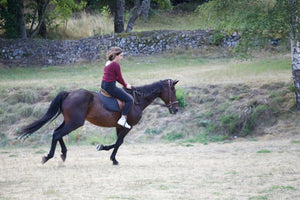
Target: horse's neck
147	94
147	101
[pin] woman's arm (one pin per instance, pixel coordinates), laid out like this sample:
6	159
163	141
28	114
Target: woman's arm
119	76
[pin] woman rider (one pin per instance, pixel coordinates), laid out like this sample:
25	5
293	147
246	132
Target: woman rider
112	73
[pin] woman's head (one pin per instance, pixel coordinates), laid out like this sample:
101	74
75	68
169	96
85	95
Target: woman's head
113	53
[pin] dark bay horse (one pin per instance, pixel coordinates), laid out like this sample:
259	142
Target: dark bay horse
80	105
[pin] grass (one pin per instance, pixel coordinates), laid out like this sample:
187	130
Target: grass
26	92
264	151
141	70
83	25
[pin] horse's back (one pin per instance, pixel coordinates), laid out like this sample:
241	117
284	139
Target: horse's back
100	116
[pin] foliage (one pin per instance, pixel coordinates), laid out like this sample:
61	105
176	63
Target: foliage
173	136
229	123
12	23
10	20
257	21
217	37
180	95
64	9
163	4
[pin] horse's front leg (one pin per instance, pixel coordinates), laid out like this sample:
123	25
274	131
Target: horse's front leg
121	135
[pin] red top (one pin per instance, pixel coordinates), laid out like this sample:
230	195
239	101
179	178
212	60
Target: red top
112	72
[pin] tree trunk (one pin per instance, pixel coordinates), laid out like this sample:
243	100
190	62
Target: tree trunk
295	47
136	12
15	24
41	19
119	16
43	28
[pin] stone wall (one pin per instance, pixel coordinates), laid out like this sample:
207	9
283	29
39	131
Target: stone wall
32	52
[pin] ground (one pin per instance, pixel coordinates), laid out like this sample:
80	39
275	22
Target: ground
263	168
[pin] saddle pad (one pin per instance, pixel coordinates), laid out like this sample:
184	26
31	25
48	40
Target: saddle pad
110	103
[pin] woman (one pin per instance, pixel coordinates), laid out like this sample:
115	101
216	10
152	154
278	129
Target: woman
112	73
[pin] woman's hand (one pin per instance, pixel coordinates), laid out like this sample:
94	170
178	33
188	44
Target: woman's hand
128	86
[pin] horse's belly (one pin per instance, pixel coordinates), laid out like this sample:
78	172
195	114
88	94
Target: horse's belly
103	119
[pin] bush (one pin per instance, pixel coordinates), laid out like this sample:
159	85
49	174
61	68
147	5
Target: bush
229	122
180	95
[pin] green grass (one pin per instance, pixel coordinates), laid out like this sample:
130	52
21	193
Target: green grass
295	141
25	93
282	187
188	68
264	151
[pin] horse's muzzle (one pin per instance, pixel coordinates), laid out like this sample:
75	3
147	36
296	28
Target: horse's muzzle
173	110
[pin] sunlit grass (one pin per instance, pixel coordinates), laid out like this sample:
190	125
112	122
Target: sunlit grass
84	25
190	70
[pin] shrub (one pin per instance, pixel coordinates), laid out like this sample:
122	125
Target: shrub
229	122
180	95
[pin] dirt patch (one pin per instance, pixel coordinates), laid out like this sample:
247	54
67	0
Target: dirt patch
263	169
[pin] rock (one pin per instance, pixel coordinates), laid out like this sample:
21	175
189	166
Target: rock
51	52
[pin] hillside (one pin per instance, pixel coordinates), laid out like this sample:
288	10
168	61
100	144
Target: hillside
221	98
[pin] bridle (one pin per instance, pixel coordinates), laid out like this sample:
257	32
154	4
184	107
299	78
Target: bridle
171	103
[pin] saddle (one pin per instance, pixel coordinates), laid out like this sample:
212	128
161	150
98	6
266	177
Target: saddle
109	102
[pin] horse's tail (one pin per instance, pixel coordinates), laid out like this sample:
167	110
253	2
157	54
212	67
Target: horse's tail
53	112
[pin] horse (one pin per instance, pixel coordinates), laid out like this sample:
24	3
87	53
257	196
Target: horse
79	105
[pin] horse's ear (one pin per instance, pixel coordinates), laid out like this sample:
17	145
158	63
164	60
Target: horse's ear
175	82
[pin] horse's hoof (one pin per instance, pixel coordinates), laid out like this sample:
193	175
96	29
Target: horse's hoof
63	157
99	147
115	162
44	159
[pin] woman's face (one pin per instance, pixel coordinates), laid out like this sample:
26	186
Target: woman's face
119	57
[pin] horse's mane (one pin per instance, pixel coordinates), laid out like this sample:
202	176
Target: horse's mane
148	92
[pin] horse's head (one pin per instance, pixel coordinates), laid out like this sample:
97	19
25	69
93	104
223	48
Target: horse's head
168	95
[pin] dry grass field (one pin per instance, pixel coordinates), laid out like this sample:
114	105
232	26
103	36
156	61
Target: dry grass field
266	168
261	168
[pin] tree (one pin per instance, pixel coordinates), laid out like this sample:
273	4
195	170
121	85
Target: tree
40	8
136	11
12	16
140	8
258	22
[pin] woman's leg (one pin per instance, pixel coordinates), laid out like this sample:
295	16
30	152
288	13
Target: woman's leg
111	88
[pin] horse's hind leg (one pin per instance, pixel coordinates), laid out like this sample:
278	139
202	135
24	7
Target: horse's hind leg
57	136
63	149
62	144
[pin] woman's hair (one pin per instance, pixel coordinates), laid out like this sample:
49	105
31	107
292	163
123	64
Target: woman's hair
115	51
